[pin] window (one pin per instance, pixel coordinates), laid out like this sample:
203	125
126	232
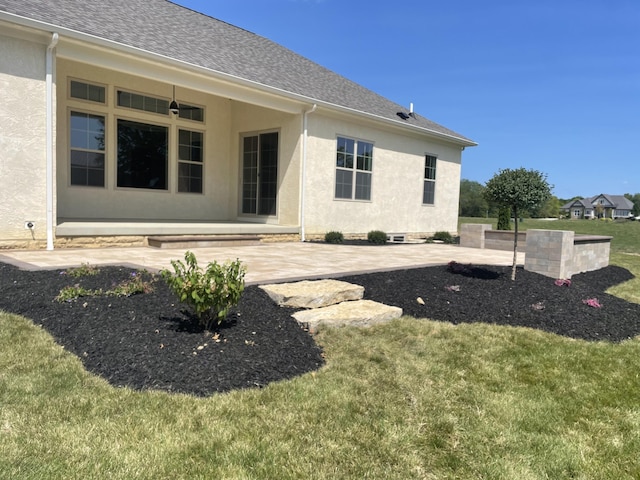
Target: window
576	212
143	102
190	161
354	158
142	155
87	149
429	192
189	112
85	91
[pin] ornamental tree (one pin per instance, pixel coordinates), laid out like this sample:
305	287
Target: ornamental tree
520	190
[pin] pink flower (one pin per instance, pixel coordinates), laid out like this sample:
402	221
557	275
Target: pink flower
592	302
562	282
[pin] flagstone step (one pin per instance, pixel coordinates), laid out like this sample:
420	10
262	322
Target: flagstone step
361	313
313	293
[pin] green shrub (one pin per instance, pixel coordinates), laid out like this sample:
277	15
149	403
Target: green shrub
504	218
211	292
377	237
84	270
443	237
334	237
135	285
74	292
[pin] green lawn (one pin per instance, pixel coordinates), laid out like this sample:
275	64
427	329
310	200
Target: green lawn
410	399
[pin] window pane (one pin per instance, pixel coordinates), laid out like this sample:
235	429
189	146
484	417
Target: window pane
86	154
189	177
345	152
142	155
428	196
86	91
363	186
365	154
430	167
344	184
142	102
190	145
190	112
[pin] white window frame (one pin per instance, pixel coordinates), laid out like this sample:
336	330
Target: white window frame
428	180
357	170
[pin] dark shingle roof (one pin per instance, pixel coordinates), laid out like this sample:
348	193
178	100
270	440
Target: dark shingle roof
164	28
618	201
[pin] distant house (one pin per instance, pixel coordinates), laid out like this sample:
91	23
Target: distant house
130	118
600	206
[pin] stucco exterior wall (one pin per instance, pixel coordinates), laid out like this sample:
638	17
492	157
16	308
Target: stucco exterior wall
397	182
22	140
112	202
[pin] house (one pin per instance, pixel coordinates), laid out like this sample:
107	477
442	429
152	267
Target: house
130	118
600	206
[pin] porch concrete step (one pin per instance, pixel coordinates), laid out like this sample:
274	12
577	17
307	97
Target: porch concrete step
313	293
360	313
184	241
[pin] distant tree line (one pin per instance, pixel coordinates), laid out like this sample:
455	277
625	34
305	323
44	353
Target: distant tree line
473	203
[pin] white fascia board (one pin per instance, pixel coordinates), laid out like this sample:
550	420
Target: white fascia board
231	80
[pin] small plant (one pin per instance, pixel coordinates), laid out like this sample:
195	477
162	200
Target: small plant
377	237
334	237
443	236
74	292
133	286
563	282
211	292
84	270
455	267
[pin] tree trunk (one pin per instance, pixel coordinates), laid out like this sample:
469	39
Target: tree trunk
515	245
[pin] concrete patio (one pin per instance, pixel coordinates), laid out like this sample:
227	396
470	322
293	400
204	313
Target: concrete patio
270	262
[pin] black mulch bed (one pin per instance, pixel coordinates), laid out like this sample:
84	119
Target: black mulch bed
149	341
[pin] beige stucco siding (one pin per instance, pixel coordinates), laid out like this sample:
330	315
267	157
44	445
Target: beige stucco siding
22	139
397	182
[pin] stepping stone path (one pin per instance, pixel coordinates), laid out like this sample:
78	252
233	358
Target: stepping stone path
330	302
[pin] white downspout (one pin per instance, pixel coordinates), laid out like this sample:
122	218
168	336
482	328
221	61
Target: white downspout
49	121
303	168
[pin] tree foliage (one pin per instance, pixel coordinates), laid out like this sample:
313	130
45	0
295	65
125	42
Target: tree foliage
520	189
472	201
635	198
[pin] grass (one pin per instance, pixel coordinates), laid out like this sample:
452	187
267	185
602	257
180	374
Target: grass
409	399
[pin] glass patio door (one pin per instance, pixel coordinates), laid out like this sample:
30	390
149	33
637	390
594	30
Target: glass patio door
260	174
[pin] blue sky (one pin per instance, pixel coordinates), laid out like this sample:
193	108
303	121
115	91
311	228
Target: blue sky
546	85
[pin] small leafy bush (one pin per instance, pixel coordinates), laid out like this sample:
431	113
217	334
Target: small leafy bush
210	292
135	285
377	237
74	292
84	270
443	236
334	237
455	267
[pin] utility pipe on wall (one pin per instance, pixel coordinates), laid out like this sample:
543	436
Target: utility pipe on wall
303	182
49	120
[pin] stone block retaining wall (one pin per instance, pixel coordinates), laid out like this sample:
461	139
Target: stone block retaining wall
554	253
